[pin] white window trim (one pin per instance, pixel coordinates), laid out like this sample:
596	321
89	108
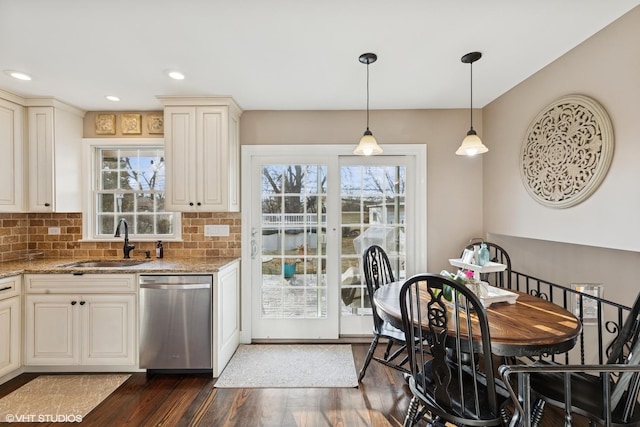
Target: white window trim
90	147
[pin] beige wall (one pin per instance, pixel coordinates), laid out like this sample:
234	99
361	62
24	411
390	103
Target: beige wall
454	183
597	240
606	68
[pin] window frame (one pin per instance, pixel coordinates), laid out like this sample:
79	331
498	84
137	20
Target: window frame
90	174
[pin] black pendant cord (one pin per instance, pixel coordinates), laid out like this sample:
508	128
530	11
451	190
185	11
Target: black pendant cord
367	95
471	98
367	59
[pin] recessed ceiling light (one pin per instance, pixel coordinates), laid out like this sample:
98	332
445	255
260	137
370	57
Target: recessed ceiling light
175	75
18	75
112	98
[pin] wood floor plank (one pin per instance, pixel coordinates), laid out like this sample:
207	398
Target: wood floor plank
381	400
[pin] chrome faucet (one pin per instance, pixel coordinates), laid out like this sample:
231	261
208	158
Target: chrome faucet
127	247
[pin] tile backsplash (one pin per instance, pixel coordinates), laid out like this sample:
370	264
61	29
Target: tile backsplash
24	233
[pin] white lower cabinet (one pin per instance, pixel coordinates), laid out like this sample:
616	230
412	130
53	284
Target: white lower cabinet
9	335
10	330
79	329
226	316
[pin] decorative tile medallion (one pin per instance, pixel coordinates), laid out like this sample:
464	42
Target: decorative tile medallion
105	124
131	124
155	123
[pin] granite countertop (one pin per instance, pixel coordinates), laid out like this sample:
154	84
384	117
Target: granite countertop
164	265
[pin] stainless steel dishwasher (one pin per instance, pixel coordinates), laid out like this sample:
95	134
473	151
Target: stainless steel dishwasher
175	322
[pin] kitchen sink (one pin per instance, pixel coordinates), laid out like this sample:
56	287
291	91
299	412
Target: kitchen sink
110	263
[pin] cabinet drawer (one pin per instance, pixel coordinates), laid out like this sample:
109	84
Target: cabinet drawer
84	284
10	287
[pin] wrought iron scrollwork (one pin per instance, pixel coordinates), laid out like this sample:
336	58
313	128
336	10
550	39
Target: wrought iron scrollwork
539	294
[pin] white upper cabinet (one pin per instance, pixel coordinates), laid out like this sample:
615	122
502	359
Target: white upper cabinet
202	154
55	153
12	162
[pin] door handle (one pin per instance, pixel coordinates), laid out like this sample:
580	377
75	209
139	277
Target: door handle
254	245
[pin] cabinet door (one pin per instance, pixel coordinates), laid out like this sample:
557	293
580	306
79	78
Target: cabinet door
52	330
227	303
55	136
12	159
233	197
202	156
212	158
109	329
9	335
180	157
41	159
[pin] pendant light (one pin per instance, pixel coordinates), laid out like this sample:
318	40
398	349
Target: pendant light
471	144
368	145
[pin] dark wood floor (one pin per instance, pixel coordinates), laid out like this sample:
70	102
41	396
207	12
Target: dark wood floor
381	400
192	400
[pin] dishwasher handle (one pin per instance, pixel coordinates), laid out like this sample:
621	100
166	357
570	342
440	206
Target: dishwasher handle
175	286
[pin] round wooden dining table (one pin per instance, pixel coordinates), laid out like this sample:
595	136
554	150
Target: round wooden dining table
530	327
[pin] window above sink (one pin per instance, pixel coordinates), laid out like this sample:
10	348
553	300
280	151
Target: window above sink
127	181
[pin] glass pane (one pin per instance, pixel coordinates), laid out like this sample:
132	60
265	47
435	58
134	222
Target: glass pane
350	180
348	237
372	183
272	301
145	224
316	180
106	224
128	181
271	207
109	180
128	203
318	206
159	199
145	202
293	205
315	303
164	223
106	203
351	210
271	179
293	303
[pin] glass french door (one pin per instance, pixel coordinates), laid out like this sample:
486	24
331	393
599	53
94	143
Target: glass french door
373	211
310	216
293	297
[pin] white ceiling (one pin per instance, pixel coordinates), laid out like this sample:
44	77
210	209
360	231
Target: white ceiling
288	54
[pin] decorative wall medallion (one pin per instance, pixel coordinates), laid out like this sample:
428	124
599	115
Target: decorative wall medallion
130	124
105	124
567	151
155	123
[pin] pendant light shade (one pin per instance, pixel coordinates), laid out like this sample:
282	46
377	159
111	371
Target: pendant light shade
471	144
368	145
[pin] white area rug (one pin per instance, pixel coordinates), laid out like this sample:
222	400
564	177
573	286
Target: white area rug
58	398
290	366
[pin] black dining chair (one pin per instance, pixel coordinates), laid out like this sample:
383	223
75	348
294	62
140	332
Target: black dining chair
453	380
377	272
604	394
497	254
